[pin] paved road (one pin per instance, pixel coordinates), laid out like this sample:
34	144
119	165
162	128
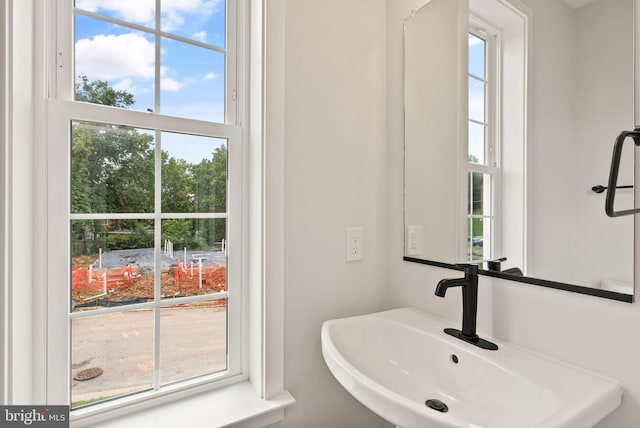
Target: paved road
193	342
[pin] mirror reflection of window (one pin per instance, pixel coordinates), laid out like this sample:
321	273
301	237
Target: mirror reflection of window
483	166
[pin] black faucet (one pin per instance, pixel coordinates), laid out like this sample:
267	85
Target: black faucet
469	286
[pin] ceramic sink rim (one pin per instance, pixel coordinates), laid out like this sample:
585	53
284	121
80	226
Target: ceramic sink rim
581	404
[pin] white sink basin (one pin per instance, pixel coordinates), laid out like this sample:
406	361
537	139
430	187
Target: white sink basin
394	361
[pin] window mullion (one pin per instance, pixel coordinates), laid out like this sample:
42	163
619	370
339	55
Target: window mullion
157	229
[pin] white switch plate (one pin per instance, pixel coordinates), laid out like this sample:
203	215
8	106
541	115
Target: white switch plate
414	240
354	244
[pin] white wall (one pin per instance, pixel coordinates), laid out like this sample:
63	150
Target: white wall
334	178
590	332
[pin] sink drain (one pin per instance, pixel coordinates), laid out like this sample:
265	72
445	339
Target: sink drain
436	405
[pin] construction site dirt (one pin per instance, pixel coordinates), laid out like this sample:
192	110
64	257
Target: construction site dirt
127	276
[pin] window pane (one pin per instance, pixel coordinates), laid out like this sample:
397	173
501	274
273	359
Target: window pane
477	56
192	81
479	194
119	346
193	340
112	169
474	251
141	12
194	260
479	216
482	239
112	263
114	65
205	18
476	143
476	99
476	190
479	239
194	174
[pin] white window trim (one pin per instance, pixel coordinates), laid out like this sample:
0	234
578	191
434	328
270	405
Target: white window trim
4	231
23	204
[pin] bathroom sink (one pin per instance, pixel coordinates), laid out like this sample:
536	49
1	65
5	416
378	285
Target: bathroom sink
395	361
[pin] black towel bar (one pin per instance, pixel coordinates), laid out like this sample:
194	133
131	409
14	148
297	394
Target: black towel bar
613	173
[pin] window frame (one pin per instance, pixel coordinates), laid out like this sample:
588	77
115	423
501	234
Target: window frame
28	52
61	110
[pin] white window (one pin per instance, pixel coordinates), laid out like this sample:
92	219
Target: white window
145	201
483	148
41	118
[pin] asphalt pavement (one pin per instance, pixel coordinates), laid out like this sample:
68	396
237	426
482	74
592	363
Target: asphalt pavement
193	342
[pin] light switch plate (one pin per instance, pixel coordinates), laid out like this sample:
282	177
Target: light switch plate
414	240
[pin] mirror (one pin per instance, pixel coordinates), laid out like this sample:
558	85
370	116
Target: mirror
511	111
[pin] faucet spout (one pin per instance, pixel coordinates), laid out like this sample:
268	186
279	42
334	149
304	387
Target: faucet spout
445	284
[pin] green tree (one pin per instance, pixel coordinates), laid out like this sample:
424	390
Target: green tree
99	92
179	231
210	178
177	185
113	170
112	167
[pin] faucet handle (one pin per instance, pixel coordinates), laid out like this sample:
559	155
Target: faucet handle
468	268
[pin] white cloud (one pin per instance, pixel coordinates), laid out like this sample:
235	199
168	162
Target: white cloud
200	36
138	11
124	85
143	11
180	7
125	61
115	57
474	40
211	76
170	85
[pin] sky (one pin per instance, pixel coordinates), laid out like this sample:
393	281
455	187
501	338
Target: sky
476	96
191	76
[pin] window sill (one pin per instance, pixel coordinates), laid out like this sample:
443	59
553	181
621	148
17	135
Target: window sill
236	405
